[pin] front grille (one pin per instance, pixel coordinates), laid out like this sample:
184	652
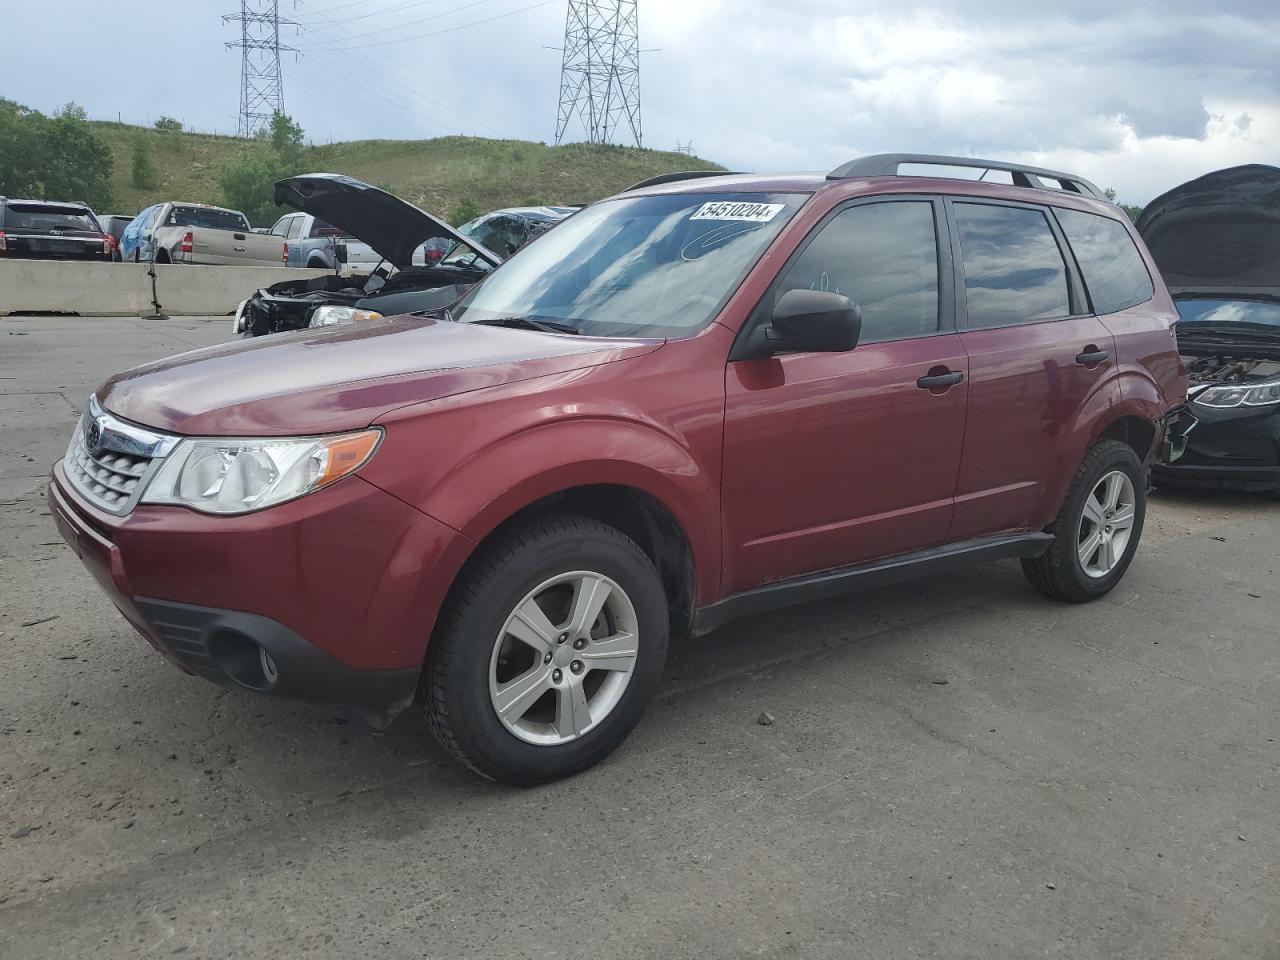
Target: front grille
110	480
110	460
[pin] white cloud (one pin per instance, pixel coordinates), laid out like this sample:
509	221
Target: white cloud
1139	96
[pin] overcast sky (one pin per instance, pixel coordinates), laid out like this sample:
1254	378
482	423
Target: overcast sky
1138	96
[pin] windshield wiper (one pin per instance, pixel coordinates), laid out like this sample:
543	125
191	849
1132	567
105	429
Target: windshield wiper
527	323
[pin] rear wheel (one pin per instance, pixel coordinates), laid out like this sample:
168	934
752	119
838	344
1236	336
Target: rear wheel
548	651
1098	529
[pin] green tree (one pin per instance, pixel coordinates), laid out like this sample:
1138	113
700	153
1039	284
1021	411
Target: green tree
286	138
143	174
248	185
52	158
168	125
73	110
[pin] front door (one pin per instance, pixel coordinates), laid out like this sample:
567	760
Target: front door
832	459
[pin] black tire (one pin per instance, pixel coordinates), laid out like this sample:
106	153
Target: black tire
455	692
317	265
1059	573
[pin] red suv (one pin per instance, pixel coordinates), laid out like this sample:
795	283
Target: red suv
700	399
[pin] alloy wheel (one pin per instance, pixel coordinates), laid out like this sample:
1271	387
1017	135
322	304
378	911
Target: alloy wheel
564	657
1106	524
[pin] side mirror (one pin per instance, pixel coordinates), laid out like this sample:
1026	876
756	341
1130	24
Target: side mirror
804	321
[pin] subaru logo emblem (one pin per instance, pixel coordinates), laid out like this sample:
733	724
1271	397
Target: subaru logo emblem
94	440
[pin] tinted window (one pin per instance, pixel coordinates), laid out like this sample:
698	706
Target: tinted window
882	256
321	229
1013	269
210	218
46	217
1114	273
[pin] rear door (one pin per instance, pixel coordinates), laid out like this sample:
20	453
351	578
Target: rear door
1036	355
831	459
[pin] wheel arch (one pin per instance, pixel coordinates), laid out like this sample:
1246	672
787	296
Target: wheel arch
635	512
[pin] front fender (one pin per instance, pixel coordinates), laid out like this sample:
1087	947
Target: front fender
482	491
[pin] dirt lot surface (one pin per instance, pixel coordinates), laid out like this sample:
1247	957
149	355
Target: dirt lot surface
956	768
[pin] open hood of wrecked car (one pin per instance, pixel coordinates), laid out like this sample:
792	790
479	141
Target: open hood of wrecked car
1218	235
392	227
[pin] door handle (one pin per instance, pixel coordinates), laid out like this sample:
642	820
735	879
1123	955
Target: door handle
934	381
1091	355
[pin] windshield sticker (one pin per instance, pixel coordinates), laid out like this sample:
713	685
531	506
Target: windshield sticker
742	212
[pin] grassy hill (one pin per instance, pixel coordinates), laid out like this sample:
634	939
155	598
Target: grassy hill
436	174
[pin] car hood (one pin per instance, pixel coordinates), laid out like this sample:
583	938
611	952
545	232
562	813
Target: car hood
392	227
341	378
1218	235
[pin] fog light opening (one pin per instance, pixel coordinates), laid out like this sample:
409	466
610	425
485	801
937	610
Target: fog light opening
241	659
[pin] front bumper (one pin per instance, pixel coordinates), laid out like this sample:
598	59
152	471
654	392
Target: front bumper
1229	449
337	587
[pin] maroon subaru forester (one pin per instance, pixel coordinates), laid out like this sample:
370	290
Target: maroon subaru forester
706	397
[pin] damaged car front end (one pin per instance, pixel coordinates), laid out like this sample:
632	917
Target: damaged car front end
1216	240
395	230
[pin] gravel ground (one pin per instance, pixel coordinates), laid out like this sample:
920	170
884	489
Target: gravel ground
954	768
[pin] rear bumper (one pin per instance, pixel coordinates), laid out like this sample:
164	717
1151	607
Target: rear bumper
341	588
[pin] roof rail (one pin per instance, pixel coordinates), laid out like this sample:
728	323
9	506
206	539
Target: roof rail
886	165
675	177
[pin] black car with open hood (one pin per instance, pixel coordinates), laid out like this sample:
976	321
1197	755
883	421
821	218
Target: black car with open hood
1216	240
396	230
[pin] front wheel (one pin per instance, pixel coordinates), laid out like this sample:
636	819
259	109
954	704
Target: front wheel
1097	531
548	651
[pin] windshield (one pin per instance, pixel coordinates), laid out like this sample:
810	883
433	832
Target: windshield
209	217
1226	312
40	218
658	266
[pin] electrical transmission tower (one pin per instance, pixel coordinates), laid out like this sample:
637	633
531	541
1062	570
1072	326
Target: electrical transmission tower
261	90
600	72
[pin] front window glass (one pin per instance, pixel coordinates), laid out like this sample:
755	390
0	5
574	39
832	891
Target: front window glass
883	257
1013	269
1227	312
656	266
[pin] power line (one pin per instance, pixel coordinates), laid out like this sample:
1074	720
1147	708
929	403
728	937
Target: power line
261	85
456	108
403	26
438	33
600	69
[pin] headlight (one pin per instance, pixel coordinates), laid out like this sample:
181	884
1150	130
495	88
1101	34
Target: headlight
237	325
238	476
328	316
1255	395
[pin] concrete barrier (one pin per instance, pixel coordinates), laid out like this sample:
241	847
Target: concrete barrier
129	289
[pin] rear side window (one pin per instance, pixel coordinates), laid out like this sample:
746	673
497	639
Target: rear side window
1013	270
883	257
1114	273
295	228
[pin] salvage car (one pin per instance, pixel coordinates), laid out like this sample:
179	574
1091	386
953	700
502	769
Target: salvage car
45	230
694	401
1216	240
395	230
507	230
199	233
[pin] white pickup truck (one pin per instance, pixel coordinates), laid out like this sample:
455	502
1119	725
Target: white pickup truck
198	233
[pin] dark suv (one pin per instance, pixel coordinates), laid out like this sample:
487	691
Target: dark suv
700	399
43	230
